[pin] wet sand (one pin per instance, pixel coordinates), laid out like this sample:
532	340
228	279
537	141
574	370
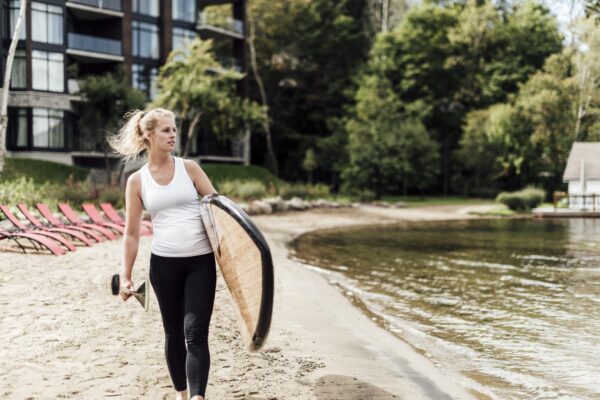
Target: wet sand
64	336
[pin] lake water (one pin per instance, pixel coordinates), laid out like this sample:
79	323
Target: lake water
512	305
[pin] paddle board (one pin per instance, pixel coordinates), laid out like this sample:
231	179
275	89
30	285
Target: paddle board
245	261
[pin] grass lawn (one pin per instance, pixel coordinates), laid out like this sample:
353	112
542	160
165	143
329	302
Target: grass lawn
227	172
418	201
41	171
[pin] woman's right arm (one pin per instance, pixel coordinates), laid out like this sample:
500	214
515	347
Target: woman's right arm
131	239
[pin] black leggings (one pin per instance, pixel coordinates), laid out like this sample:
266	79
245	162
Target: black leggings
185	289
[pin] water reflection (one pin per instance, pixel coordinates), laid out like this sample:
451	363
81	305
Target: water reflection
513	304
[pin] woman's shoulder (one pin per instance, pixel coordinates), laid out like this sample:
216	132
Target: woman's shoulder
190	165
135	178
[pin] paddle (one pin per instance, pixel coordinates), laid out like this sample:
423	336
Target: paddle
141	293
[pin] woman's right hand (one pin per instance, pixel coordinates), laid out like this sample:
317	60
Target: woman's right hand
126	287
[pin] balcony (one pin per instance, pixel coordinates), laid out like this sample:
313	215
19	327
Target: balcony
220	27
89	48
91	10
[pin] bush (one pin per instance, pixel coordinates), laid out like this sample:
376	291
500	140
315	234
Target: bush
304	190
245	190
20	190
522	200
73	192
113	195
222	173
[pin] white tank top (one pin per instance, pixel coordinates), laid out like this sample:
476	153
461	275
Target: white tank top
175	212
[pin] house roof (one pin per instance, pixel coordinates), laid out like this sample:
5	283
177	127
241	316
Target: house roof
583	151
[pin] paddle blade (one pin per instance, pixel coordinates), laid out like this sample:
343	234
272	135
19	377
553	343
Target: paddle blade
141	294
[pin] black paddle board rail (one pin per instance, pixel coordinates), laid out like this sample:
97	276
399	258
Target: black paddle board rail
266	304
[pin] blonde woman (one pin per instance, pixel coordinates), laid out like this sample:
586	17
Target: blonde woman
182	266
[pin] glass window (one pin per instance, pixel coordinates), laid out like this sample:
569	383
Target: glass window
18	78
47	23
48	128
48	71
181	37
145	78
184	10
20	131
145	40
15	5
146	7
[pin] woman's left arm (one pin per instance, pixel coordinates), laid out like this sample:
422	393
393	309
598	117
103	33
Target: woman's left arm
199	177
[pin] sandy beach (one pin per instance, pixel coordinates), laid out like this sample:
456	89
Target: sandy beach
64	336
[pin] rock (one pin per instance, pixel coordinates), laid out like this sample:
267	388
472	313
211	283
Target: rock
260	207
296	203
277	203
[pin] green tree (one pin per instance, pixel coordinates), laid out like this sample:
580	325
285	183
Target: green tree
309	164
389	149
459	58
106	99
195	86
308	53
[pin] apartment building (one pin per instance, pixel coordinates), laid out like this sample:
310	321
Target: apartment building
62	40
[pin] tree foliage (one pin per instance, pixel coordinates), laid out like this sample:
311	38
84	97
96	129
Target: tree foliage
389	149
202	92
106	99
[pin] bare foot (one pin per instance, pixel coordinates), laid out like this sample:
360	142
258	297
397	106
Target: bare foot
182	395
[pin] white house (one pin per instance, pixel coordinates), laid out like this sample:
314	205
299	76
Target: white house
583	175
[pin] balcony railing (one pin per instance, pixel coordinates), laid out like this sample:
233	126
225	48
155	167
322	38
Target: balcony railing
224	23
95	44
590	202
114	5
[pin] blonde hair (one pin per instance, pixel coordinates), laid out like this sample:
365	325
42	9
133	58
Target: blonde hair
130	142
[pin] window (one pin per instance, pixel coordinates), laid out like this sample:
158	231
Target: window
184	10
46	23
48	71
48	128
145	78
146	7
15	6
145	40
17	127
18	79
181	37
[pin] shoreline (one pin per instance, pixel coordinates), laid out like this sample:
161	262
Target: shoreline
67	337
401	369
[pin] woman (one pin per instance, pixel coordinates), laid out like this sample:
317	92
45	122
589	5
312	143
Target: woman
182	266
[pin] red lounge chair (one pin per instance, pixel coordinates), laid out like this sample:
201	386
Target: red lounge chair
34	240
74	219
98	234
114	216
22	228
96	218
65	231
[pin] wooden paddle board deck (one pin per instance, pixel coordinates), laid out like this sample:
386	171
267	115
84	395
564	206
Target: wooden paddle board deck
245	261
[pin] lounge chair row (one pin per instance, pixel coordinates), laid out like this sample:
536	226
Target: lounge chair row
58	236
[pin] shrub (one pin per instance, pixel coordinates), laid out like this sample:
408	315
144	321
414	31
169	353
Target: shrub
245	190
522	200
19	190
72	192
113	195
304	190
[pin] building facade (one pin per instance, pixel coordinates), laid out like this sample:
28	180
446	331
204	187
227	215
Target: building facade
63	40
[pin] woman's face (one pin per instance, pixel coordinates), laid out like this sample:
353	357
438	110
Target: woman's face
163	136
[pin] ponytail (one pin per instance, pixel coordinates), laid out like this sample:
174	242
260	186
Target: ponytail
129	141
